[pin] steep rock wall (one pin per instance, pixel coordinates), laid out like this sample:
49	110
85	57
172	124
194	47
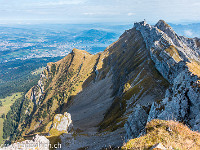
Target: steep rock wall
176	61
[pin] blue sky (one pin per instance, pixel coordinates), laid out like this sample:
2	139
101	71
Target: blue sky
98	11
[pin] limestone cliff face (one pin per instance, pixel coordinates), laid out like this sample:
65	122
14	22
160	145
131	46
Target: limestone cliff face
150	72
177	59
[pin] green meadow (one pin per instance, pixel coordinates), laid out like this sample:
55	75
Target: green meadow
7	102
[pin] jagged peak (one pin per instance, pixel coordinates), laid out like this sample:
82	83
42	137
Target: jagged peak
141	23
162	24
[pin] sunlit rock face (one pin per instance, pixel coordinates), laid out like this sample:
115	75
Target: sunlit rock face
62	122
177	59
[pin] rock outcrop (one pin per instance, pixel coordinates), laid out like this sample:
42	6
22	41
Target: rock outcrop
136	122
38	143
35	93
158	146
62	122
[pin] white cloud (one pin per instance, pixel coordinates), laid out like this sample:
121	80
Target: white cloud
102	13
61	2
89	13
188	33
131	14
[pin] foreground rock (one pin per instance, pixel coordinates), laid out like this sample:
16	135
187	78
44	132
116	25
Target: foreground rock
38	143
158	146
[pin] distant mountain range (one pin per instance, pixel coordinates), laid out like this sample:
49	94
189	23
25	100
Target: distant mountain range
25	42
190	30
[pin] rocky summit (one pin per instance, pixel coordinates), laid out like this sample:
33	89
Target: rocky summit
101	101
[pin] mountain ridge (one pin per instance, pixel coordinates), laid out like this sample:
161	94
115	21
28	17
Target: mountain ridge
148	73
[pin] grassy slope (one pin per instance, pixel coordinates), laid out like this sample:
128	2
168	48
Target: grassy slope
67	80
169	133
135	72
194	67
7	102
